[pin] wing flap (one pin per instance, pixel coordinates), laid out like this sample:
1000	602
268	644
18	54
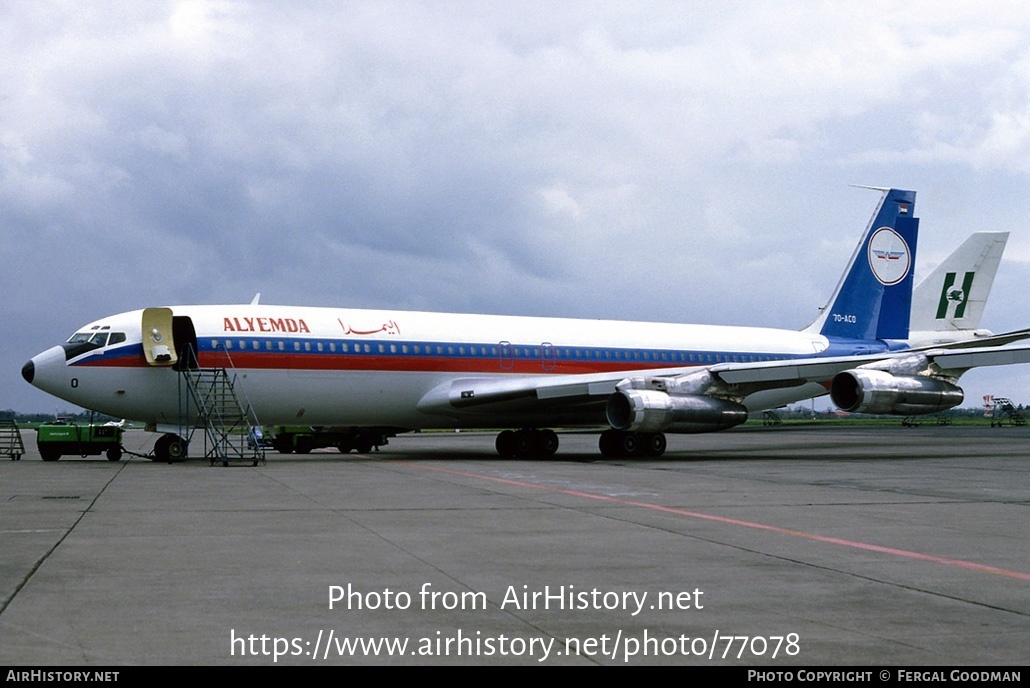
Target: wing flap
578	389
528	394
964	359
985	351
531	393
790	372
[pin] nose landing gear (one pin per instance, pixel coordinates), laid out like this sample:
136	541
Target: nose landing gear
170	448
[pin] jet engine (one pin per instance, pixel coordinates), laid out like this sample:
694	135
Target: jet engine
647	410
877	391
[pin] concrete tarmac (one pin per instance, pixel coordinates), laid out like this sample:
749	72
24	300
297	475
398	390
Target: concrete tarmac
770	547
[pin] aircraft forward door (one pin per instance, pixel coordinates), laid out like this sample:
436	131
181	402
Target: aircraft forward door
168	340
158	337
185	336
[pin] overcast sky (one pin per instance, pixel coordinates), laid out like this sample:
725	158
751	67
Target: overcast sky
674	161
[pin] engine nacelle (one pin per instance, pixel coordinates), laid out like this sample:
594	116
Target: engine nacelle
644	410
877	391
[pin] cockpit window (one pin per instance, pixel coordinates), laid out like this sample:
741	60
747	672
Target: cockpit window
97	339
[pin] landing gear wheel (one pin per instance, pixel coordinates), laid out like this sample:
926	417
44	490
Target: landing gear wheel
654	444
547	443
170	448
527	442
524	441
629	444
363	443
506	444
619	443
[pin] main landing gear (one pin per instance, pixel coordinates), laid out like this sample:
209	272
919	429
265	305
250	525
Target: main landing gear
614	443
531	442
527	442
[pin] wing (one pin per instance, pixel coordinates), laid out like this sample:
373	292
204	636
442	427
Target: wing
563	398
702	398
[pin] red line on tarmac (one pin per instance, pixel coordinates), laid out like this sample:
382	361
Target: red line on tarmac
736	522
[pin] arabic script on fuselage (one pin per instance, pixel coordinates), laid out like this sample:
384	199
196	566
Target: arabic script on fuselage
389	327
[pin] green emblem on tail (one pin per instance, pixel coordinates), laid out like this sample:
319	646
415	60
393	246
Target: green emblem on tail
952	294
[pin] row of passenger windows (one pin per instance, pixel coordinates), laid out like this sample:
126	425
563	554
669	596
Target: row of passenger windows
547	353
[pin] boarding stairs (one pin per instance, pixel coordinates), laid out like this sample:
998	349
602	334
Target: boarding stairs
10	440
1004	410
212	399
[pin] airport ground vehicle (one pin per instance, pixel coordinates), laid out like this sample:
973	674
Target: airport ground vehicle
62	438
301	439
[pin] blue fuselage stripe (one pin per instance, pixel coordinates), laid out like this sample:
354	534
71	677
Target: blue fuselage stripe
321	353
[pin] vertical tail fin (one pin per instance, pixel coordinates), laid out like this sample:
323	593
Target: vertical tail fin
874	297
953	296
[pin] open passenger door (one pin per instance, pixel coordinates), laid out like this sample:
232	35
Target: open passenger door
158	340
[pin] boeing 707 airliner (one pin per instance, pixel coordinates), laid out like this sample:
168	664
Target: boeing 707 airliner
878	346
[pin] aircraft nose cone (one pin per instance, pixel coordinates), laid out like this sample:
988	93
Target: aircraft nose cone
28	371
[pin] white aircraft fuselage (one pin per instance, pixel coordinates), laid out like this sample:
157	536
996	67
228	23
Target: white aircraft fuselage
325	366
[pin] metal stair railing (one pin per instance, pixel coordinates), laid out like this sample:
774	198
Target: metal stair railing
10	440
231	428
1004	408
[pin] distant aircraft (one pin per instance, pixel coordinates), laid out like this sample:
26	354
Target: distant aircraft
373	374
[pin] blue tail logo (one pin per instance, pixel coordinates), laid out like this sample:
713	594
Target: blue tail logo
889	257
